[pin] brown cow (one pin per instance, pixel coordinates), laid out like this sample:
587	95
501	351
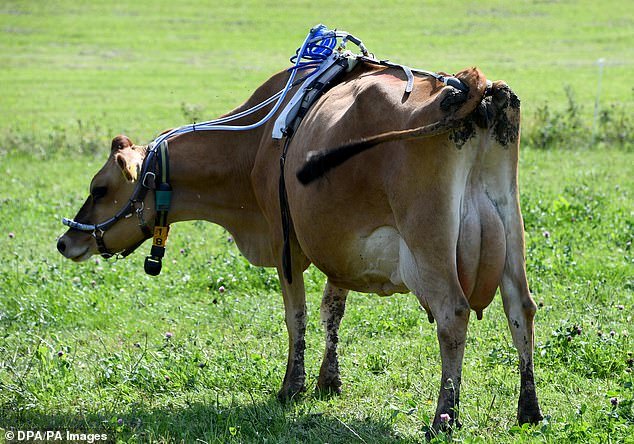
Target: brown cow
433	209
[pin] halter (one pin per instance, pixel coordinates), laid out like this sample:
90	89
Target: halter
154	175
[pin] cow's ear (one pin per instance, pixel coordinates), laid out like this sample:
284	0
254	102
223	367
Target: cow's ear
120	142
130	162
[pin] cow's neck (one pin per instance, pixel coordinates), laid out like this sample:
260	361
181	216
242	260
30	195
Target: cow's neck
210	176
210	173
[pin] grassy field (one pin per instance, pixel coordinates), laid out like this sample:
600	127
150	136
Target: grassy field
129	66
85	347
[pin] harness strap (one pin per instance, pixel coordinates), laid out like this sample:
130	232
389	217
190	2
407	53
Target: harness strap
101	245
447	80
163	198
287	222
306	95
312	92
410	78
315	90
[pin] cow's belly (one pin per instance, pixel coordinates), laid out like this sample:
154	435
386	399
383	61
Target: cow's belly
381	262
346	223
372	263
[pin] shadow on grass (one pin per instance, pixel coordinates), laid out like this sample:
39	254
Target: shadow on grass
259	421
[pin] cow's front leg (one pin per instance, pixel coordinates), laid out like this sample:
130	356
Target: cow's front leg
333	305
295	316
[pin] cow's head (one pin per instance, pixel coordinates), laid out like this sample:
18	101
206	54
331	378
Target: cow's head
110	192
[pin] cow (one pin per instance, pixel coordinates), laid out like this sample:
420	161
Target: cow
388	191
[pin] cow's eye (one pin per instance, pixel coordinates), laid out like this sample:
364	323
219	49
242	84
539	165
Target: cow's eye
98	192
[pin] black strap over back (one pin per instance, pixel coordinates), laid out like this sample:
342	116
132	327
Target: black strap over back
313	92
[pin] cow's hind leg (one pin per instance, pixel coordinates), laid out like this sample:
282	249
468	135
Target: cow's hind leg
333	305
520	311
295	316
437	287
451	310
518	304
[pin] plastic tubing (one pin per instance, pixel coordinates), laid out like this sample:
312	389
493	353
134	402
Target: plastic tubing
316	53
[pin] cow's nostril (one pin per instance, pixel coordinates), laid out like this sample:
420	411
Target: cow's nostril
61	245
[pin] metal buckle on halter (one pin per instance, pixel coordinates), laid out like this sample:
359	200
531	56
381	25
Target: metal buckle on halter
97	230
139	213
140	208
101	246
145	178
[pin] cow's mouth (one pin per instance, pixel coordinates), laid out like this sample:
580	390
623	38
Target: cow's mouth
72	251
83	256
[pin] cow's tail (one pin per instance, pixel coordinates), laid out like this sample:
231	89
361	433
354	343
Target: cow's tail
451	104
319	163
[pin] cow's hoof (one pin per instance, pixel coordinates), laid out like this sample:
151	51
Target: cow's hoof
290	392
529	416
528	411
329	385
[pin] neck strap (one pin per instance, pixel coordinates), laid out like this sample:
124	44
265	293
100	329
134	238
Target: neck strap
162	201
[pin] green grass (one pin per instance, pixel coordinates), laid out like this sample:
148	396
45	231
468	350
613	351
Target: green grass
226	358
129	68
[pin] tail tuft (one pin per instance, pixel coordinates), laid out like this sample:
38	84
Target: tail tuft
319	163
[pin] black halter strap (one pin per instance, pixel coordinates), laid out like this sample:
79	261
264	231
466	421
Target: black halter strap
154	175
162	199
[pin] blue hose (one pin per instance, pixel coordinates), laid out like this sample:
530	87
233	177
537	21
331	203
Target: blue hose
319	48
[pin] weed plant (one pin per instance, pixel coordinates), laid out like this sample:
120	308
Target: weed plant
550	128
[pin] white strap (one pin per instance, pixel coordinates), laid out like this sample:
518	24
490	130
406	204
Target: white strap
410	78
290	110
